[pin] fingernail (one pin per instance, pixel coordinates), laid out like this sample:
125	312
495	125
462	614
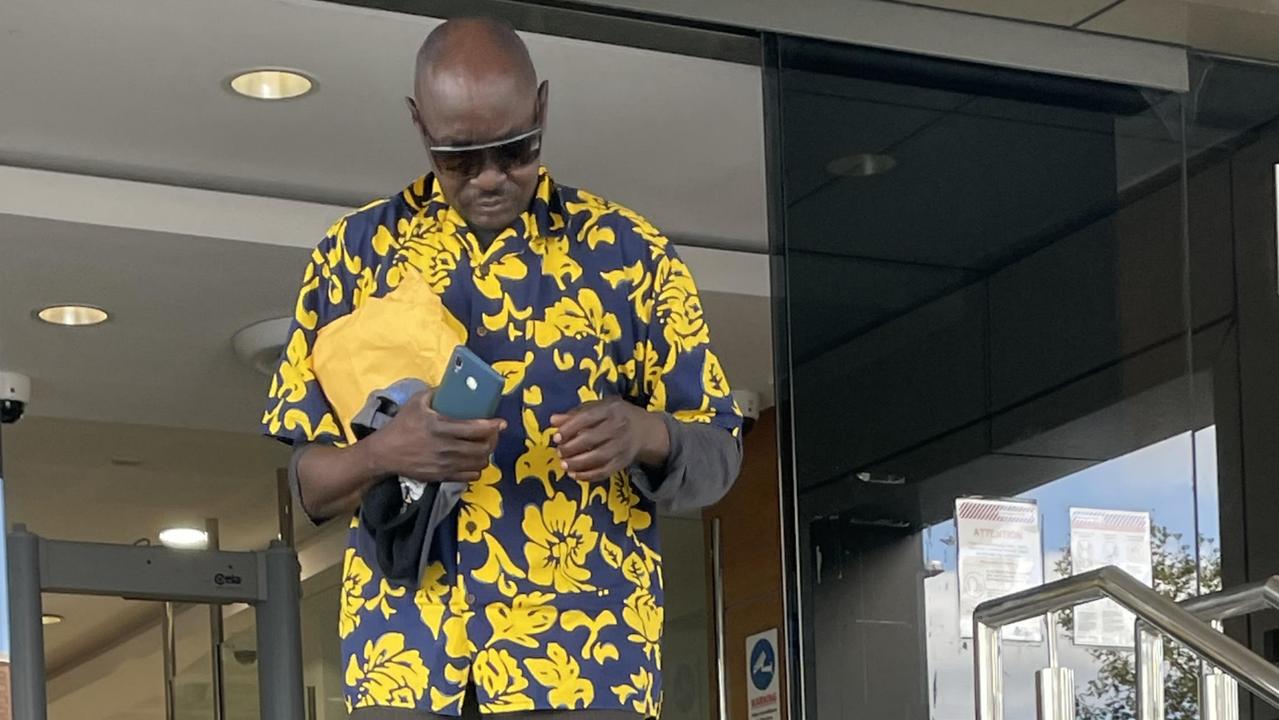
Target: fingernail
564	464
559	438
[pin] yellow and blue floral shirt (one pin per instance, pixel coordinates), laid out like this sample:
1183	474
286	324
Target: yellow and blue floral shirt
542	592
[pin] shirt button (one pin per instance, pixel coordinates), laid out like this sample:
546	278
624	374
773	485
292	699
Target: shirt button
470	599
482	331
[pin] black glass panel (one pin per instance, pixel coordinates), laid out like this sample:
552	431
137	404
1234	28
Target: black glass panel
988	294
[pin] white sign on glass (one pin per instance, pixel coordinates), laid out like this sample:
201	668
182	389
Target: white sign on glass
1108	537
1000	553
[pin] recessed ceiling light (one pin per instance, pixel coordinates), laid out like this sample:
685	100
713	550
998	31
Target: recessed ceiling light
72	315
184	538
50	619
272	84
861	165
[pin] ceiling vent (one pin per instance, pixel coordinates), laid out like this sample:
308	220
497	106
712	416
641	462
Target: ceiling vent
260	344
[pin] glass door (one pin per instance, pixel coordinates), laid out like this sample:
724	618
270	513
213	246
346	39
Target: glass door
987	300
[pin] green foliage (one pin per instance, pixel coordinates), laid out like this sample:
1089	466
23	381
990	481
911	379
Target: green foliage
1112	694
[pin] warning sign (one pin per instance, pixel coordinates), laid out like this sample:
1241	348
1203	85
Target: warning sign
999	554
763	698
1099	538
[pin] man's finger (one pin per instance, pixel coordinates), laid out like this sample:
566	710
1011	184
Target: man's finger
469	429
423	399
479	459
586	407
465	453
448	443
585	441
595	459
471	451
570	424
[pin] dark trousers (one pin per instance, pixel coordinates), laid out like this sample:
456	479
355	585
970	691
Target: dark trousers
471	711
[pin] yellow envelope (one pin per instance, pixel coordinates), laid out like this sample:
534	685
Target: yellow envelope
407	333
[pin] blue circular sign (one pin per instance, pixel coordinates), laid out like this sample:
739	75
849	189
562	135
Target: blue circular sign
763	664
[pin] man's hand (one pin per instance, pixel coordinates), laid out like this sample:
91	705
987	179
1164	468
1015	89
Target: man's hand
420	443
606	436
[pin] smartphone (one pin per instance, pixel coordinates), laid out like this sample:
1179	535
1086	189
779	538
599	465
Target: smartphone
469	390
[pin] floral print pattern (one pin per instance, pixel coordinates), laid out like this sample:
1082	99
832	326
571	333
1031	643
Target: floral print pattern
542	592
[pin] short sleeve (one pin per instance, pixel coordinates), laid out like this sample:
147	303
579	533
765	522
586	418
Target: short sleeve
681	374
297	410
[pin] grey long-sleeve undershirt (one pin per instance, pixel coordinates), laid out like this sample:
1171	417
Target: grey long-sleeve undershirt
702	465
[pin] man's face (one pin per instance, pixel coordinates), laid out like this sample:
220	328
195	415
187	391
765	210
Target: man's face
490	188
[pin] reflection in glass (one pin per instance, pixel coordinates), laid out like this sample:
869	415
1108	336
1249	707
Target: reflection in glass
1004	313
1153	479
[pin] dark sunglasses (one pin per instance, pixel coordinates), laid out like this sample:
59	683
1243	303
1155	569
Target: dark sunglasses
470	160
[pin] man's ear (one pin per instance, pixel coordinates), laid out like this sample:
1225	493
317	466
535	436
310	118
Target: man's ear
413	111
416	116
543	93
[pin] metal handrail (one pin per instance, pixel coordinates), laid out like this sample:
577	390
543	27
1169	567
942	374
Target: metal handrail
1237	601
1157	611
1222	605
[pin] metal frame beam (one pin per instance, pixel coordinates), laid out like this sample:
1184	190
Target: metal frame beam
270	581
206	577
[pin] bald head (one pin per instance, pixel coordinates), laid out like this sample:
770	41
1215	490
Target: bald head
475	85
477	50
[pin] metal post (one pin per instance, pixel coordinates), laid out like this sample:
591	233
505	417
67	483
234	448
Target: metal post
269	580
1218	692
1054	686
284	506
1150	674
280	637
216	635
717	579
1055	693
26	632
1050	634
1219	697
988	668
169	653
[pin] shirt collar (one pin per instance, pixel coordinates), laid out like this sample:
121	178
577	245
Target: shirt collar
544	216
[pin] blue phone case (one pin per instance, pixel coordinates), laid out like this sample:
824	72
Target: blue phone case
469	390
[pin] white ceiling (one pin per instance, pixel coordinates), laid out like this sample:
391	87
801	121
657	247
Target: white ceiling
135	88
1244	28
130	179
165	358
1053	12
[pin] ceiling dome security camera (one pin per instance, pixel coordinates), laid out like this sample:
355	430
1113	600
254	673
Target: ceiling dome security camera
748	403
15	393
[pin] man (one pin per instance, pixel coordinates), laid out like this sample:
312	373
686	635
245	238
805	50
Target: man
542	590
